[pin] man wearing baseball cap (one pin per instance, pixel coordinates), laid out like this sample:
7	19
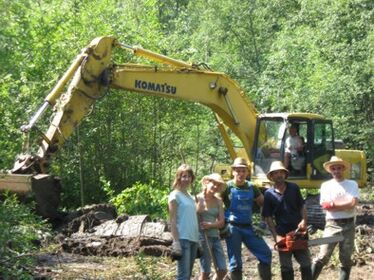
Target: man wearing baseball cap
339	198
284	204
239	197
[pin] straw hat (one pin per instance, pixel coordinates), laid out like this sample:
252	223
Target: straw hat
336	161
240	162
275	166
215	177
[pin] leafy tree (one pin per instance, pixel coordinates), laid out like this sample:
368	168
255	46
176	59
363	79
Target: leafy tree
319	63
148	199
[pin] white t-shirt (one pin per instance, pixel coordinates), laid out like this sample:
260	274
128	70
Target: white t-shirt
186	215
293	143
335	191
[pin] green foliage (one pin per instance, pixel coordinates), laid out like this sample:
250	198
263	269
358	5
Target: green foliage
19	229
141	198
147	267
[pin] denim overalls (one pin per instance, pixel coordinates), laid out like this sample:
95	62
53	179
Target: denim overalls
239	216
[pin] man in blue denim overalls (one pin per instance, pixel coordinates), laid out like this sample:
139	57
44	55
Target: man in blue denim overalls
238	199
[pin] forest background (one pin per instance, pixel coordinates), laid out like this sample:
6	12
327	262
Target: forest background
308	55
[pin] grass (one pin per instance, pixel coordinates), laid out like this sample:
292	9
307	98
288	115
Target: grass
139	267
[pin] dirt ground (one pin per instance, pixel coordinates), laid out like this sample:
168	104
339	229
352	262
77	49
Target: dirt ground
87	256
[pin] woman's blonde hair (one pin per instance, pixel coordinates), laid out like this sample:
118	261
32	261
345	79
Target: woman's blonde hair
183	168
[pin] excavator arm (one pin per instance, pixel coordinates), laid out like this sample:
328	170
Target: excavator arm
93	72
90	76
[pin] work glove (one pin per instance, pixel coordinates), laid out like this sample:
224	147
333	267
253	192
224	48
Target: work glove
327	205
176	251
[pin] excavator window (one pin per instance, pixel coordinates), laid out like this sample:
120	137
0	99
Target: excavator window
273	143
269	146
323	147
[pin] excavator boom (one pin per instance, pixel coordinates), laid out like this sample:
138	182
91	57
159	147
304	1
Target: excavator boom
90	76
93	73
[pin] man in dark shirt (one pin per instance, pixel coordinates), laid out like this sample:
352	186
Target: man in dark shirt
284	211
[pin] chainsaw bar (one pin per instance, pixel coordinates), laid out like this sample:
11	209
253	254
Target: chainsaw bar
325	240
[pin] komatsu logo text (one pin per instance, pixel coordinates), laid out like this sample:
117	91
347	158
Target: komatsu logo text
151	86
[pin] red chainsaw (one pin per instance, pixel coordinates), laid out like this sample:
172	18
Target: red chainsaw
299	240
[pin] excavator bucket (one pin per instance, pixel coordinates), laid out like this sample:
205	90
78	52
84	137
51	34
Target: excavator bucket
20	184
44	188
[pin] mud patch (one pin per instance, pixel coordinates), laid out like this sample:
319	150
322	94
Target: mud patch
97	231
84	219
116	246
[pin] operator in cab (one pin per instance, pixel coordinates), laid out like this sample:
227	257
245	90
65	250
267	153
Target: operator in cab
294	146
284	211
339	198
238	199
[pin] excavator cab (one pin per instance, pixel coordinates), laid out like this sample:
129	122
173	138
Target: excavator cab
296	141
303	142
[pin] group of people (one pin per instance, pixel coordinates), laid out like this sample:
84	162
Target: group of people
196	221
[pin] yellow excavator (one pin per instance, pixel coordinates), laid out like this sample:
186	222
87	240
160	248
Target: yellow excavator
263	136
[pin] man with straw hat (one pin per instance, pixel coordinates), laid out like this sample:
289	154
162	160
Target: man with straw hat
339	198
284	204
239	198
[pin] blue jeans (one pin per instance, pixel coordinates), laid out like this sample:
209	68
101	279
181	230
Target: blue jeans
217	252
256	245
185	264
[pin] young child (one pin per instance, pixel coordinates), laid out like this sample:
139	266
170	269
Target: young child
183	222
211	216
